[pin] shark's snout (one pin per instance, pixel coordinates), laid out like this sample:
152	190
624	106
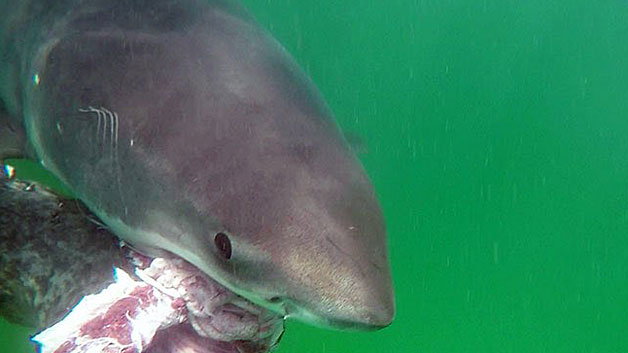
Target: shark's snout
347	301
333	264
370	313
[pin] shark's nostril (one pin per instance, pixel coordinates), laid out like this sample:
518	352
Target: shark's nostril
275	300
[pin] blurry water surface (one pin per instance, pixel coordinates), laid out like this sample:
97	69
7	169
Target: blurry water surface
496	133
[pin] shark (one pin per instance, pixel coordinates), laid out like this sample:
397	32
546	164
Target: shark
188	129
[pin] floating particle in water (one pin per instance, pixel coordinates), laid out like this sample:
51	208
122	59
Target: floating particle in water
9	171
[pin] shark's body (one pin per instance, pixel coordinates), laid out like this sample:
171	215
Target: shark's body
186	128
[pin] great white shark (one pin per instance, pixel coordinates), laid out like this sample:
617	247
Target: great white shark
187	128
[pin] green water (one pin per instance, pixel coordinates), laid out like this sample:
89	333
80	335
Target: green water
496	134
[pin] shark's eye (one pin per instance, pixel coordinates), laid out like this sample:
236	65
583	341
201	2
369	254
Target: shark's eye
223	244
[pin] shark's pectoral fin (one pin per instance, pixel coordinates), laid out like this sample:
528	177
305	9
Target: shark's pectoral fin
12	138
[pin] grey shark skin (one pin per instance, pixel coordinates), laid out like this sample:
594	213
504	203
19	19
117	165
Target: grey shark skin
177	120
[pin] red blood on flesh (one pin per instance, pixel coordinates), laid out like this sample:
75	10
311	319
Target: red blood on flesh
144	295
66	347
114	323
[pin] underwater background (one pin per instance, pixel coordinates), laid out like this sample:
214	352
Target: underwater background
496	134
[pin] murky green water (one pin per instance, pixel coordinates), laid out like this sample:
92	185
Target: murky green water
496	134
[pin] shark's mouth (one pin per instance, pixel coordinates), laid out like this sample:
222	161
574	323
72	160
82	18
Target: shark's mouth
170	306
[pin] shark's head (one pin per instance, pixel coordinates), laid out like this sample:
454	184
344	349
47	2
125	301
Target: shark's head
305	239
200	136
301	231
